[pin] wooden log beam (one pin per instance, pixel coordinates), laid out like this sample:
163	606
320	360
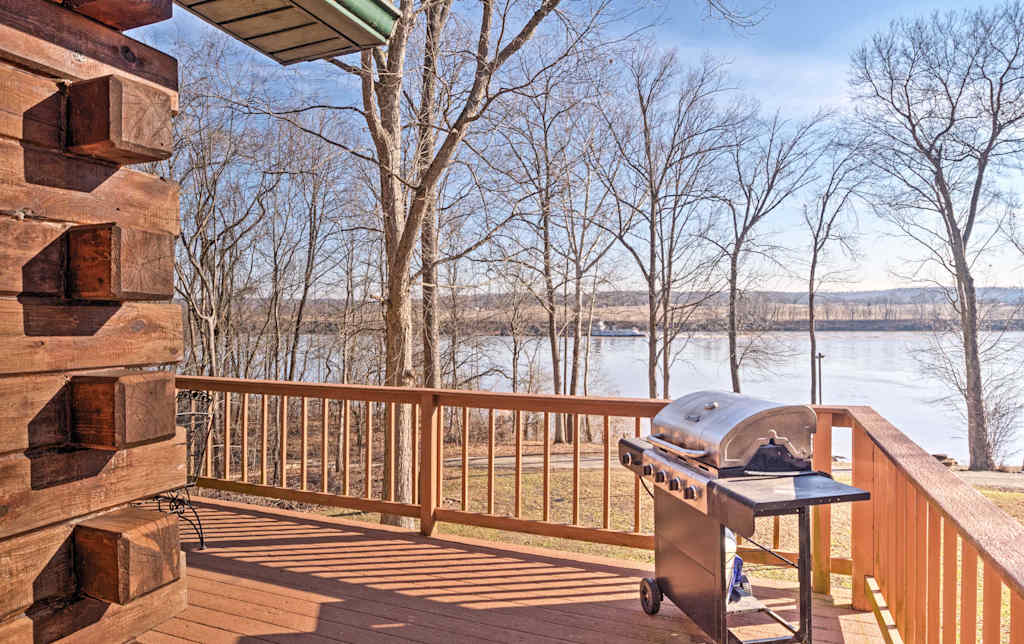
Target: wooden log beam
32	257
86	336
45	184
124	554
122	14
48	39
122	408
34	412
36	566
113	263
90	620
119	120
30	107
50	486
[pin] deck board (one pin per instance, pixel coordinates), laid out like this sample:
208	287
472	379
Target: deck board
272	575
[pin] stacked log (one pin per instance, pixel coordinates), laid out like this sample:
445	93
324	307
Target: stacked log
88	335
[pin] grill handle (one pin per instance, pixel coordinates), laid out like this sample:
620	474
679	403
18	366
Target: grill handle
675	449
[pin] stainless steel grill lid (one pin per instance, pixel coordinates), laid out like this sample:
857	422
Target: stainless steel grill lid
726	430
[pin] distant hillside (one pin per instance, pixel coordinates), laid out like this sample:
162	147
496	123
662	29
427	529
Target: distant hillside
901	309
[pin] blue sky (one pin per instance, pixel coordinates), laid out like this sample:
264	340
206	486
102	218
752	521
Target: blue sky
798	57
795	60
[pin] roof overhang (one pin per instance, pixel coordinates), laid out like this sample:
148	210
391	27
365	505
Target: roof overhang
292	31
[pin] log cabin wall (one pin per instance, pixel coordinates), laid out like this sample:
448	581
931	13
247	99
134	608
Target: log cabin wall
87	329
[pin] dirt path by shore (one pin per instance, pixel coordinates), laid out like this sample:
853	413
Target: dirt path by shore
1001	480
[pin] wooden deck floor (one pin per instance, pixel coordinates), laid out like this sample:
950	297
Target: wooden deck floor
277	576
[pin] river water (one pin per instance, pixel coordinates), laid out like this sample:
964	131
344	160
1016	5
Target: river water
859	368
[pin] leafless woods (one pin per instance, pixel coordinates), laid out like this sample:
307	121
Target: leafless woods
509	166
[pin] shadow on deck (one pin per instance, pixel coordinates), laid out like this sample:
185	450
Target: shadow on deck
276	576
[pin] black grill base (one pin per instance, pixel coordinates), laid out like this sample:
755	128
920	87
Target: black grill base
688	562
689	568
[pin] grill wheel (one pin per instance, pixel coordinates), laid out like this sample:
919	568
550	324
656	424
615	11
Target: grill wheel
650	595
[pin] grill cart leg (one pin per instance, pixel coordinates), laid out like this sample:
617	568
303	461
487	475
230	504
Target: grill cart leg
803	634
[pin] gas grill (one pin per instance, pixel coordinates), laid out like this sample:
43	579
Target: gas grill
716	462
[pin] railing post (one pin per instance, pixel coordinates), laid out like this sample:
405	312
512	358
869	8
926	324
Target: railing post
821	525
428	482
862	534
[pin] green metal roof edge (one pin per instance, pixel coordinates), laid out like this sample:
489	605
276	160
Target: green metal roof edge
376	16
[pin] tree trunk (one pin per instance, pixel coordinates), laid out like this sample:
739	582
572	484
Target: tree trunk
666	344
652	318
399	373
577	332
734	360
810	330
431	330
552	311
977	431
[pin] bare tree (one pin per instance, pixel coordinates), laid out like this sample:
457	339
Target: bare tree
770	160
842	175
665	141
943	103
408	194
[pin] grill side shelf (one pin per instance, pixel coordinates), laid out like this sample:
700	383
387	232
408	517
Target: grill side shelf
736	501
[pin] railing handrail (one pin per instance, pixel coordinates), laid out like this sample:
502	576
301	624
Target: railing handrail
994	534
554	403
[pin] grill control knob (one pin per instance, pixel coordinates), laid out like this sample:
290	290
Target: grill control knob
690	492
659	476
647	469
627	458
675	485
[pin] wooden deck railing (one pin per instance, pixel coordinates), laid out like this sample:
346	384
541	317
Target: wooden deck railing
916	545
913	546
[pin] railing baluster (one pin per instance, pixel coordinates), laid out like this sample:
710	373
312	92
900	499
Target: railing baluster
245	438
894	533
1016	617
518	428
345	444
636	485
934	572
949	568
414	475
389	450
324	415
264	404
547	466
968	593
191	455
439	455
227	436
900	578
575	469
284	441
920	564
862	533
303	465
368	458
209	434
490	462
465	458
607	473
992	604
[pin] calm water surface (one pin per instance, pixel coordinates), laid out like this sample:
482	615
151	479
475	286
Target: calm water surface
860	368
